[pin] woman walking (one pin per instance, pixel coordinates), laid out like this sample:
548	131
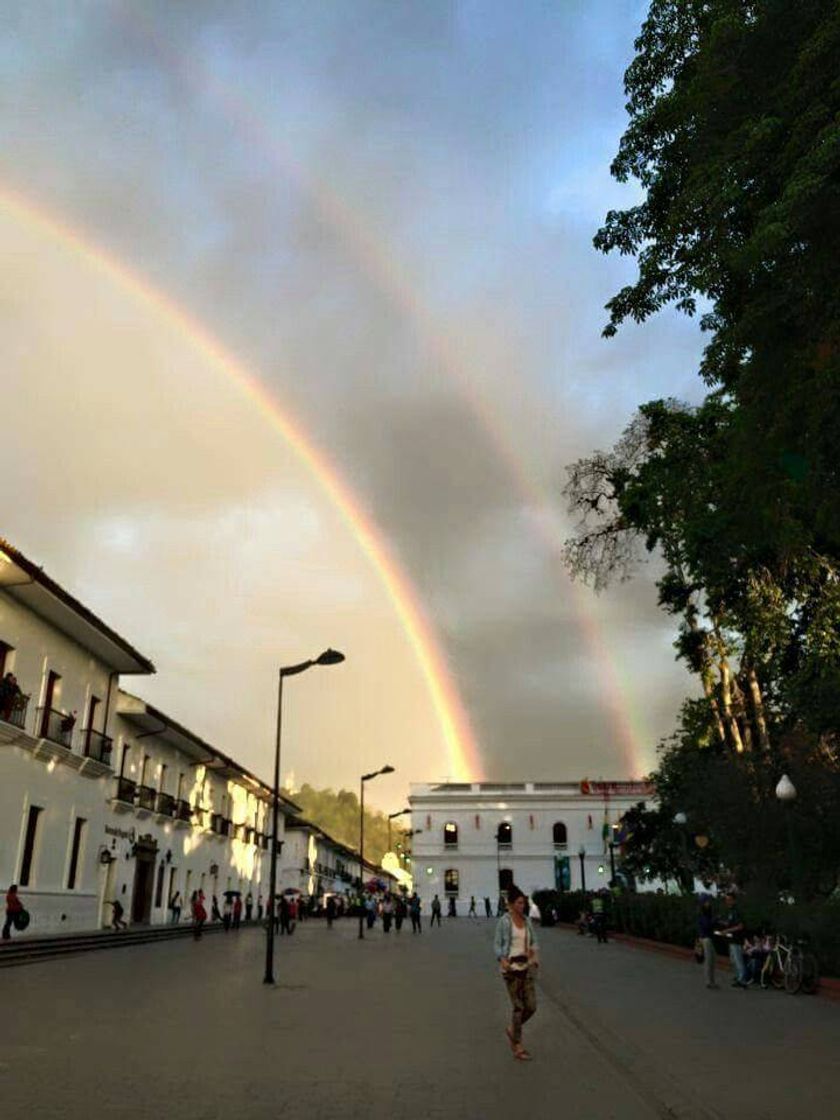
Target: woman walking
199	914
516	949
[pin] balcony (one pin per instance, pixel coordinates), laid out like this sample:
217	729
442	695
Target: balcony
165	805
15	713
182	812
126	791
56	726
98	746
227	826
146	798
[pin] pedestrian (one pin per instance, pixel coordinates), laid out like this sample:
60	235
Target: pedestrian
435	911
500	906
199	914
117	921
400	911
733	931
259	907
705	935
488	907
227	912
370	910
215	913
14	907
284	914
294	908
175	908
516	949
387	913
237	912
249	906
414	906
599	918
330	911
451	912
472	912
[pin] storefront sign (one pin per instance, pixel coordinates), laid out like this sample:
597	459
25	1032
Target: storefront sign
122	833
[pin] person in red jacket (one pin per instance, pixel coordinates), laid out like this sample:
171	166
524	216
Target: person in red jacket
237	912
199	913
13	908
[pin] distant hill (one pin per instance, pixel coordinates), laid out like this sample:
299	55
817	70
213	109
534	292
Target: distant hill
338	814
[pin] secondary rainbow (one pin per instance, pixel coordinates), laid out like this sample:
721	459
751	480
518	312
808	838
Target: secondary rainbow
382	268
461	745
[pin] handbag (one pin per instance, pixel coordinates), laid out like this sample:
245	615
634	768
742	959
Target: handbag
21	919
699	951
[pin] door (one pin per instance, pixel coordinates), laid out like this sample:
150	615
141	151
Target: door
144	875
107	879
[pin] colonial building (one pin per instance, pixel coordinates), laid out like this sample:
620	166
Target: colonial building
102	796
474	839
316	864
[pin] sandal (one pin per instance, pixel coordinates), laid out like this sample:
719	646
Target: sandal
522	1055
509	1034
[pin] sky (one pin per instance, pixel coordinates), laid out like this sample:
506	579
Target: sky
300	328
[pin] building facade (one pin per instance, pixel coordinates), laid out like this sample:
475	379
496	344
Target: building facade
102	796
474	839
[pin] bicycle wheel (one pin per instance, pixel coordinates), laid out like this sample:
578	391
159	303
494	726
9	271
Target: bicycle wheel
810	974
793	973
774	976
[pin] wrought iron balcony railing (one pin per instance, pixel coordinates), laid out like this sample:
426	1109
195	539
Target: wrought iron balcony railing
56	726
14	711
146	797
98	746
183	812
165	804
126	790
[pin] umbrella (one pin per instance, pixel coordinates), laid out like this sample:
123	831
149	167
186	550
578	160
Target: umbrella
291	890
232	894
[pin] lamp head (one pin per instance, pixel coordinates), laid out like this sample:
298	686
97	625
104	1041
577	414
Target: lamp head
387	770
785	790
330	657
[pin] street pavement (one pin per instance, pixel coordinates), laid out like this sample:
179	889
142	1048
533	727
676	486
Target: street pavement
402	1026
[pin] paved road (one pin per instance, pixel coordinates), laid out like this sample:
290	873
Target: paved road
402	1026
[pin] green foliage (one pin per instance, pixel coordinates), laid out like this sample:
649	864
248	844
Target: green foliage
338	814
734	134
673	919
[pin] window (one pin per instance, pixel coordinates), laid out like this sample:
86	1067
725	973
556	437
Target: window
450	881
504	834
450	834
29	845
5	650
78	833
560	835
505	878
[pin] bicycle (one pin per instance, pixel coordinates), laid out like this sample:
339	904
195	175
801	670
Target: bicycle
791	968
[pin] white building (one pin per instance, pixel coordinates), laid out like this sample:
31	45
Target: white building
316	864
474	839
102	796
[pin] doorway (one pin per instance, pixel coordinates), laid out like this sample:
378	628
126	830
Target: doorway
145	856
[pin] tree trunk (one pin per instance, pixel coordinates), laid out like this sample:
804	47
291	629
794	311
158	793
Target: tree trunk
758	708
709	689
726	697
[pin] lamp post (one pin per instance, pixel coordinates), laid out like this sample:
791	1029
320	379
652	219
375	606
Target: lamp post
786	793
365	778
681	820
328	657
391	817
582	857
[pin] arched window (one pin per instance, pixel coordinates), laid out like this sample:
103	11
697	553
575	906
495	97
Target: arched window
504	834
561	838
450	835
450	881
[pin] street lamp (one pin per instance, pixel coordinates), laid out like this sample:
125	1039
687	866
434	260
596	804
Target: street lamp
786	793
365	778
582	857
392	817
328	657
681	820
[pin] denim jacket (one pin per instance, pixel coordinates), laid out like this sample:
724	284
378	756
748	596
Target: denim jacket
504	932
